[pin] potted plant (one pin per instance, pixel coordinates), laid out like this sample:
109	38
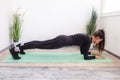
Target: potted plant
16	26
91	26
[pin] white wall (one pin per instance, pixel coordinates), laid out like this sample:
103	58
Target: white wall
45	19
4	24
111	25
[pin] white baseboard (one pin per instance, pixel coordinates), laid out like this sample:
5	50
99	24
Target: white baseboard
117	56
8	47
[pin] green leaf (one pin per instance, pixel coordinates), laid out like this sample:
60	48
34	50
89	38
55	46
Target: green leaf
16	27
91	27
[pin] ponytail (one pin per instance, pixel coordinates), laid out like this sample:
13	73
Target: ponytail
101	34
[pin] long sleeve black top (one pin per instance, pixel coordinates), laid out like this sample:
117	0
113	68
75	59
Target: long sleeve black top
84	41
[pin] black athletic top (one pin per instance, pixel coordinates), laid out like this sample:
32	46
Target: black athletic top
84	41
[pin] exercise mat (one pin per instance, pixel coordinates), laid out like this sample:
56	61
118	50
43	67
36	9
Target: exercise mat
49	57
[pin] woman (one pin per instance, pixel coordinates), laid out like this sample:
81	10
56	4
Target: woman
81	40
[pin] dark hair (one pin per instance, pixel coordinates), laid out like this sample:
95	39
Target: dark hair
101	35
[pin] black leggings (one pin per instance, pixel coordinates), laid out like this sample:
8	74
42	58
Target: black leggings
58	42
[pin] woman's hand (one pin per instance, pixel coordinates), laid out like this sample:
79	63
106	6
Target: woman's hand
96	54
99	57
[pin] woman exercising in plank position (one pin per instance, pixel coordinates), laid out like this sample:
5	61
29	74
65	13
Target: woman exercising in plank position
81	40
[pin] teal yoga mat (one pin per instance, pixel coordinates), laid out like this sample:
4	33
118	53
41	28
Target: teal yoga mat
49	57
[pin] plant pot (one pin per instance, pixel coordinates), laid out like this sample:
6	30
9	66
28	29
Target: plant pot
92	46
15	43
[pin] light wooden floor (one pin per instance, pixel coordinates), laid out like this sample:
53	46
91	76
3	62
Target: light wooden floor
115	63
60	71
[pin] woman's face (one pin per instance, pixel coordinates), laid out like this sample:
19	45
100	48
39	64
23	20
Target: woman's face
96	40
